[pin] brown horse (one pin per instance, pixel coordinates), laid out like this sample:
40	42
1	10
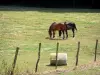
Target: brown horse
57	26
70	26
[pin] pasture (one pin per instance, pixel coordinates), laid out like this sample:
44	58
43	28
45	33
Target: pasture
26	27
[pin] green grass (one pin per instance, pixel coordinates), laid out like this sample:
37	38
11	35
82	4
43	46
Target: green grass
27	27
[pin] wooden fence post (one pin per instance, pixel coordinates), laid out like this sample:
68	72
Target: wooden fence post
14	62
96	50
38	57
77	53
57	54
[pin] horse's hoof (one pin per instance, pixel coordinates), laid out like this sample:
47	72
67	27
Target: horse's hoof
63	38
51	38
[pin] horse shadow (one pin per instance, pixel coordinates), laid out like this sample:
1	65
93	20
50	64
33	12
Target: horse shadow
55	38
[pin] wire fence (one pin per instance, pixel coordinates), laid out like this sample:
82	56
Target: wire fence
57	51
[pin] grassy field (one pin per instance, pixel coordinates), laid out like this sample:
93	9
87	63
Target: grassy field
26	27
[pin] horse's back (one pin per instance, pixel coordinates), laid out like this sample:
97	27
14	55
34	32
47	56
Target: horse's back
57	26
60	26
71	25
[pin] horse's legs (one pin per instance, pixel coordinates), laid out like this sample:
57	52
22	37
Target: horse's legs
66	34
63	35
53	34
59	33
73	32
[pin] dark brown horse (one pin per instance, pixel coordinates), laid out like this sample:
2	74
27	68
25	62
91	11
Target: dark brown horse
57	26
70	26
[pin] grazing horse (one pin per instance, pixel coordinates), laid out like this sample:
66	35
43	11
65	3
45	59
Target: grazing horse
70	26
57	26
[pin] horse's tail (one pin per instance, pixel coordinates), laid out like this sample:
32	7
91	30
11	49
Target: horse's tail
51	26
49	31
